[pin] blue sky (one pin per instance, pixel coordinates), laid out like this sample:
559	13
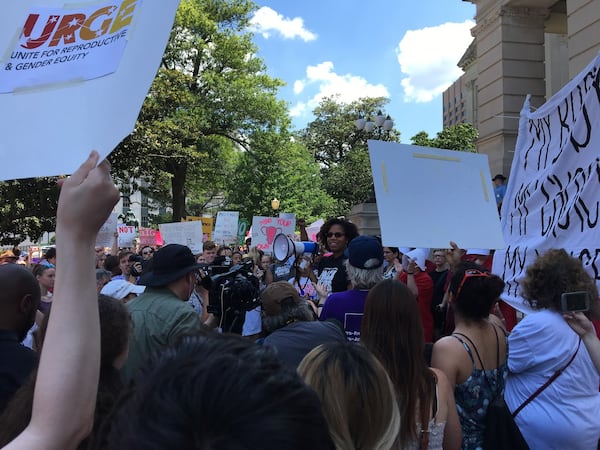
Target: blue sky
406	51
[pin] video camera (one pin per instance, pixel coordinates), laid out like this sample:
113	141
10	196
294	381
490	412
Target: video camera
231	294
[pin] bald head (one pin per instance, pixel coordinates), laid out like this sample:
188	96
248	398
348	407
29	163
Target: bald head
19	298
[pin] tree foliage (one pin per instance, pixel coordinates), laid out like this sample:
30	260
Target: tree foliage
457	137
210	96
341	150
276	166
28	209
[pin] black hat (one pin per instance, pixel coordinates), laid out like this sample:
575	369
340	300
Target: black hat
499	177
169	264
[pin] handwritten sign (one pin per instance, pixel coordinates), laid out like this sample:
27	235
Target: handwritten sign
106	235
147	236
126	235
73	77
415	212
226	227
184	233
264	230
553	195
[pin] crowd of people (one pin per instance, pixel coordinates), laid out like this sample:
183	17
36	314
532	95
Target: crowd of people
359	345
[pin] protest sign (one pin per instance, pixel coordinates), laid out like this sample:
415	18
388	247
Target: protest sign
313	229
226	227
106	235
264	230
184	233
553	195
126	235
147	236
427	197
73	77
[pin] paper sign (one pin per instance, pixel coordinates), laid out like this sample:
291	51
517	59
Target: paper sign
553	191
313	229
106	235
264	230
427	197
226	227
184	233
147	236
126	235
73	78
60	46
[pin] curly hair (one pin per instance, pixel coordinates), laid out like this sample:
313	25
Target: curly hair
552	274
350	230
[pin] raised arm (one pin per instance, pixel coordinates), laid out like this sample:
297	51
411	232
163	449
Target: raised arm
584	328
65	390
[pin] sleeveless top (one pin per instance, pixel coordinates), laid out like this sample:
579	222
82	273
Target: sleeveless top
436	430
475	394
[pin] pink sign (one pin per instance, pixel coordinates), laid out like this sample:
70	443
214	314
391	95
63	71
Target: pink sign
147	236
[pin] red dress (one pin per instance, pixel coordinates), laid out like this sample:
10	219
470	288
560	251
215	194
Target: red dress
425	287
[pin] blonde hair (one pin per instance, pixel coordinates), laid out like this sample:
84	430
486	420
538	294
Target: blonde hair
357	396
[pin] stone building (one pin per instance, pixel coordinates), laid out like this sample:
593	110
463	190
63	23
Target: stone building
520	47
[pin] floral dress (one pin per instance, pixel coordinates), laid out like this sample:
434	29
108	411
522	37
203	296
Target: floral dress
475	394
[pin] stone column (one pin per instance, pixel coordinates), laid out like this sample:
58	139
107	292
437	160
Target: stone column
510	64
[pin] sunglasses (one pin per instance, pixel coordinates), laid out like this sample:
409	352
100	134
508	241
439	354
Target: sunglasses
337	234
148	252
471	273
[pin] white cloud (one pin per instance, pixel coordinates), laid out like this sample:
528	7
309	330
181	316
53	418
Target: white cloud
266	20
347	87
428	58
298	86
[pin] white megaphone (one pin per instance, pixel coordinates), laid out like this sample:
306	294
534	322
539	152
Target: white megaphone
284	247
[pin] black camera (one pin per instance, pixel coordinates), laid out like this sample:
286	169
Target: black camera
133	259
231	294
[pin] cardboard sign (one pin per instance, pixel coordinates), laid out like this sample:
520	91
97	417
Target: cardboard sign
553	194
106	235
184	233
427	197
264	230
226	227
73	77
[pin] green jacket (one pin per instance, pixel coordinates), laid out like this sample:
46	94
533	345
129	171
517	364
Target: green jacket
159	319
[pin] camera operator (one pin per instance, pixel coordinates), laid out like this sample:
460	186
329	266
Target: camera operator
231	294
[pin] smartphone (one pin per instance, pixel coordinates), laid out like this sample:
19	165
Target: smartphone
575	301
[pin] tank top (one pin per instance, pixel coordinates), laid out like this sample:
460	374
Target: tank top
474	395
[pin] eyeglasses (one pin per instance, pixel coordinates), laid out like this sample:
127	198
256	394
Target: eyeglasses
471	273
337	234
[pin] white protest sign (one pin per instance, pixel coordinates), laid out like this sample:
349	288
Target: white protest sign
126	235
184	233
427	197
553	195
264	230
226	227
106	235
73	77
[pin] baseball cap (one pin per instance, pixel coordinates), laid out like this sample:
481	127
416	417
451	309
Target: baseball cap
365	252
277	293
120	289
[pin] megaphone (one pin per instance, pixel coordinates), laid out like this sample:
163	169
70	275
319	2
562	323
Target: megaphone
284	247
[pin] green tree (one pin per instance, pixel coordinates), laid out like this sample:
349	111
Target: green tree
211	94
28	209
456	137
341	150
278	167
